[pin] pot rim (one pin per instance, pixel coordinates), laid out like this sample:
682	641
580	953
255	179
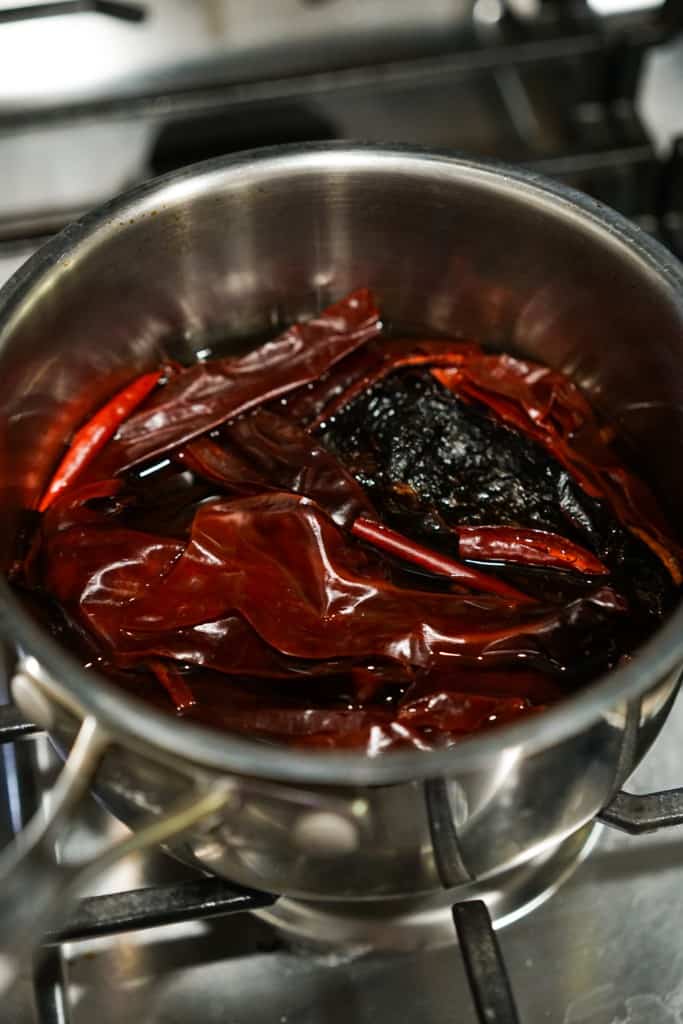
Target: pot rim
125	716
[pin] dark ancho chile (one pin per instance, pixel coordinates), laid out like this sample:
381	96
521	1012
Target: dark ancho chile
342	540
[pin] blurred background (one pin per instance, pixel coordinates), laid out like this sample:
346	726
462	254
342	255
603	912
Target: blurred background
96	96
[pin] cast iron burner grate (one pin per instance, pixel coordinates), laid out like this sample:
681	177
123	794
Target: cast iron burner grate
155	906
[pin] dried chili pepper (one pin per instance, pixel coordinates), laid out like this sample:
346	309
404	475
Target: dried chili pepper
394	543
549	407
432	463
218	464
371	362
202	397
455	714
91	438
292	567
305	588
391	363
290	459
265	451
525	547
448	716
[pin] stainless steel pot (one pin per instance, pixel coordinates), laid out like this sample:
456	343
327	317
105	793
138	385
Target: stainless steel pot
235	247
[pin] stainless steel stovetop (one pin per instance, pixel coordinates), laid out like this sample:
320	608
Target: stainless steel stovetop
604	949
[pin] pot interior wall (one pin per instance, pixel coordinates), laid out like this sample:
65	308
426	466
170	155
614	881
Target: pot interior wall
237	250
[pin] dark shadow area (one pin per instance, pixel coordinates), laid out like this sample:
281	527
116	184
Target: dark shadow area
189	140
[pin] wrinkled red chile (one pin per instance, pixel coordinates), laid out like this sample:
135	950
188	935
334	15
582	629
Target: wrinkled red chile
343	540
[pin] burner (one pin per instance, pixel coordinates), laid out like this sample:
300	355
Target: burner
351	928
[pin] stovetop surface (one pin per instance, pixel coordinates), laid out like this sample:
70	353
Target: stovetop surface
605	949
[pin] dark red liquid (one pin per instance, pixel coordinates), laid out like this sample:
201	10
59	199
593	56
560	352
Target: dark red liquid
206	559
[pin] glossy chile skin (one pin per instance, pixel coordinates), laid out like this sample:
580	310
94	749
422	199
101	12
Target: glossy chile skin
490	249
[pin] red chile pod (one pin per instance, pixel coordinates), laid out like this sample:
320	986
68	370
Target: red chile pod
396	544
92	437
526	547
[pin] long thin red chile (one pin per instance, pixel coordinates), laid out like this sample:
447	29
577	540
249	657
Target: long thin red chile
526	547
396	544
93	436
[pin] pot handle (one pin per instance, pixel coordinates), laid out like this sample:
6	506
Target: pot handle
34	887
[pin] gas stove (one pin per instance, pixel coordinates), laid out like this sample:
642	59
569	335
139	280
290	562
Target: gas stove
97	96
158	943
